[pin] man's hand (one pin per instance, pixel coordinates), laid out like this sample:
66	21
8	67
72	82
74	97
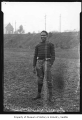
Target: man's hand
34	70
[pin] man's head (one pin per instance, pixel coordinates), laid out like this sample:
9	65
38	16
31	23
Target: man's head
44	36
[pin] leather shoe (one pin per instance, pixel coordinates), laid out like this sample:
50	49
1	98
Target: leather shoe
37	97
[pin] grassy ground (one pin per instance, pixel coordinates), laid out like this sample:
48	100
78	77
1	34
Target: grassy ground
20	84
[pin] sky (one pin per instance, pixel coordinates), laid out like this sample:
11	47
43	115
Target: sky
32	15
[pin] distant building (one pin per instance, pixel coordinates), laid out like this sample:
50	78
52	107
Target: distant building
9	29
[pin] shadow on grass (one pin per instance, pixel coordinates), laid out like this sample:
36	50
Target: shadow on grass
58	78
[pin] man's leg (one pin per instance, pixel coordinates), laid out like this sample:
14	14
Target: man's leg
50	90
40	76
40	84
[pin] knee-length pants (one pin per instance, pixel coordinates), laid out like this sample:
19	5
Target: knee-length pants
40	68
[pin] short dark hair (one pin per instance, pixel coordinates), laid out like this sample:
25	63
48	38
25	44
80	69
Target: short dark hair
45	32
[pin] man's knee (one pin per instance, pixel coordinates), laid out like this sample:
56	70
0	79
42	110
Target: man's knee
40	80
49	85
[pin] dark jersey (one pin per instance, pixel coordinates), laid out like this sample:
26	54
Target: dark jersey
44	50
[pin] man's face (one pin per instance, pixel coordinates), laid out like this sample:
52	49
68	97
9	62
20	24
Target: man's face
43	36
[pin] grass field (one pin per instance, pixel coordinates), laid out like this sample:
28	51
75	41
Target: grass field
20	84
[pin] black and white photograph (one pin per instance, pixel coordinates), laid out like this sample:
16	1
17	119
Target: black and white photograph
41	57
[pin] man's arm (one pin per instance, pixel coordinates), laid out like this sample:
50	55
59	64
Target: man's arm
35	56
52	54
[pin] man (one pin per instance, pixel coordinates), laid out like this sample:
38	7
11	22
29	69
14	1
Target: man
43	51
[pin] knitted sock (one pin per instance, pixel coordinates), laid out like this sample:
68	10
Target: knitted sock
40	87
50	90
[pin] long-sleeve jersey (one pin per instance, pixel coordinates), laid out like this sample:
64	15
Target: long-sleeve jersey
44	50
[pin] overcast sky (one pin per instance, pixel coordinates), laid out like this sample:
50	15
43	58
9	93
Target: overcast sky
32	15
